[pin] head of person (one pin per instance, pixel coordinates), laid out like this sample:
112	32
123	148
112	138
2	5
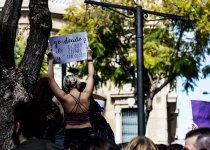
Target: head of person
122	145
161	146
141	143
175	147
203	143
29	121
69	82
191	138
98	143
42	92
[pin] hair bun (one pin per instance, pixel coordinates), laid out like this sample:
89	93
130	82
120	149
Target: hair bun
69	81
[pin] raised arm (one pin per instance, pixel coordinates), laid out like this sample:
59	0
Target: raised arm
90	79
59	93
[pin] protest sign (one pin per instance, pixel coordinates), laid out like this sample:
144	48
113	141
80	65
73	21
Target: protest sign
69	48
201	113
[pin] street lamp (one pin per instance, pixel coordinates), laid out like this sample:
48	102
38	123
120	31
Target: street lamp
205	93
137	10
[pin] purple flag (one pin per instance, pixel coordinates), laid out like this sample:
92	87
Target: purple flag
201	113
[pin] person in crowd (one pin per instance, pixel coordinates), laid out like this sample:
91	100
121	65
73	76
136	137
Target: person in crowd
175	146
203	143
141	143
122	146
29	127
54	111
194	137
98	143
161	146
100	126
75	103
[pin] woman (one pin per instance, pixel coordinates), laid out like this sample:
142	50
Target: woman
75	104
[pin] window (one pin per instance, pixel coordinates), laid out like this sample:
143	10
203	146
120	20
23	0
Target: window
129	124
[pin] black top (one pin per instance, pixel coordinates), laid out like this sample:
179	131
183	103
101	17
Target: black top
37	144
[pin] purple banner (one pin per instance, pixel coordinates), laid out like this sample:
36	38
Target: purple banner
201	113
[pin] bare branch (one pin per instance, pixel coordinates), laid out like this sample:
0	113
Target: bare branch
40	27
9	20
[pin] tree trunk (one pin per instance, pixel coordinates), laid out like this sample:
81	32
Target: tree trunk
16	83
37	42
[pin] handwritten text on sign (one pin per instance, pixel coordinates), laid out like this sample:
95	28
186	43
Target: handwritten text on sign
69	48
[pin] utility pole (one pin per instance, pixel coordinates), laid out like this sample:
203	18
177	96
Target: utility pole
139	15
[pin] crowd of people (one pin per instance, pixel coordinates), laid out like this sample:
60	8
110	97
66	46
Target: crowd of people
30	121
57	119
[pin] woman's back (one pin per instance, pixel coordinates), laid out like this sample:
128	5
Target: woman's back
76	102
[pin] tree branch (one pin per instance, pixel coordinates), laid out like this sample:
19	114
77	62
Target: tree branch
37	42
9	20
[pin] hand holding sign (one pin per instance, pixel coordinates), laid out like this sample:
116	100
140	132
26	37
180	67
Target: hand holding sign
69	48
89	54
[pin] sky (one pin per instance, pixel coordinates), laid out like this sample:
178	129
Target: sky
184	120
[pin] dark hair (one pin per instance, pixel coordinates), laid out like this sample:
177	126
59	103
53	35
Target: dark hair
81	86
31	117
122	146
198	132
42	91
175	147
98	143
161	146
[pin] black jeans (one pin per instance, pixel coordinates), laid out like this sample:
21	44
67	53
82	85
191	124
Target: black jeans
75	137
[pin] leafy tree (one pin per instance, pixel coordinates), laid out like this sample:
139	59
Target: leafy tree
17	81
104	38
168	52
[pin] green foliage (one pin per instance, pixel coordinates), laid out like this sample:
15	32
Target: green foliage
158	51
167	51
192	50
104	39
20	48
206	70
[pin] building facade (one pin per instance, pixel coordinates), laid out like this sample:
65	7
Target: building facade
122	113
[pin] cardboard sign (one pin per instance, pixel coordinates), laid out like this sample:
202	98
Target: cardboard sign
201	113
69	48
